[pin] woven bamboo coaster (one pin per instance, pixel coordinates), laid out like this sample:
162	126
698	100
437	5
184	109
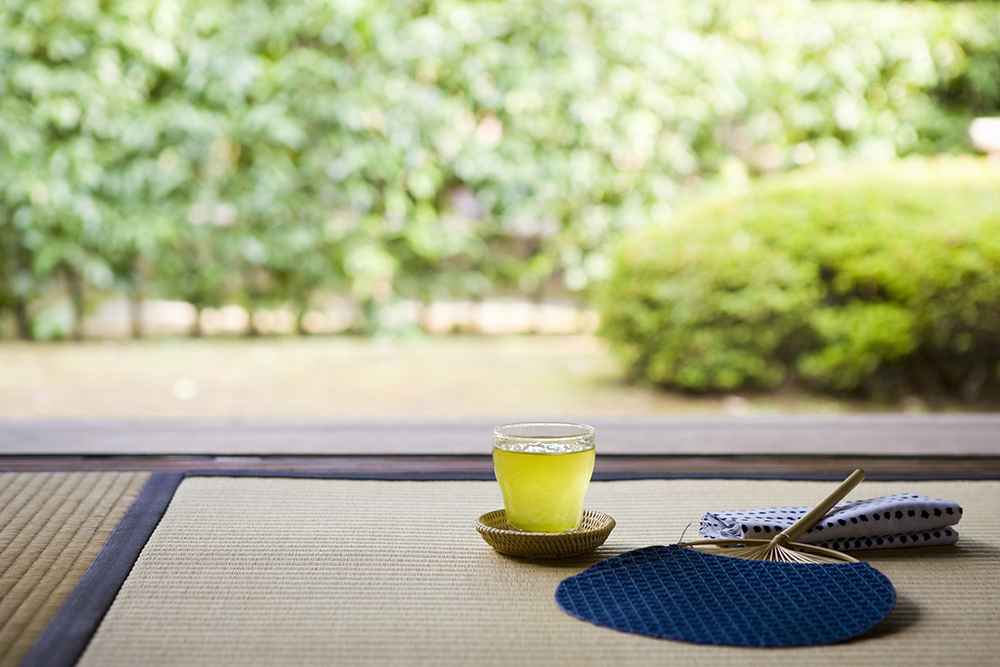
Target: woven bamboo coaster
52	525
253	571
508	540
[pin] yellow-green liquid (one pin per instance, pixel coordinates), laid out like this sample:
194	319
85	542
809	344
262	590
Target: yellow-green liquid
543	492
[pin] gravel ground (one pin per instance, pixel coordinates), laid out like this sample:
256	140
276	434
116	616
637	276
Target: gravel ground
341	377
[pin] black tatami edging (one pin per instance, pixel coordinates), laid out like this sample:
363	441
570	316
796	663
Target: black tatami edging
68	633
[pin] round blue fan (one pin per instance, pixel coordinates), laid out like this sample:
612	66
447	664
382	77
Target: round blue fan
767	593
678	593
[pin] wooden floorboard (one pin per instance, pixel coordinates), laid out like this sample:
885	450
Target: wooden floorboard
830	435
607	465
888	444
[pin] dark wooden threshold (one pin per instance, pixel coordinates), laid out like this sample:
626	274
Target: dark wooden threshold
608	466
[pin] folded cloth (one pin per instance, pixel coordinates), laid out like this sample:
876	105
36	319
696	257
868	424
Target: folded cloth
900	520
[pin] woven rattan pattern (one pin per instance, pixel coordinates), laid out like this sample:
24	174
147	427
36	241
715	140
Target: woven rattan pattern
506	539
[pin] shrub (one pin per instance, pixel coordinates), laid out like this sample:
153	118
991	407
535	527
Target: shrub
845	280
267	152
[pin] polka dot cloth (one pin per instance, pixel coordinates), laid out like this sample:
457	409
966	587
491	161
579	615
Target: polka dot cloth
677	593
889	522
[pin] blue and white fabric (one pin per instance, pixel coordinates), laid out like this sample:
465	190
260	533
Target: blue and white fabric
889	522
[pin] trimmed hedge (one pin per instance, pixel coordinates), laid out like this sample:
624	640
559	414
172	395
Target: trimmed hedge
851	280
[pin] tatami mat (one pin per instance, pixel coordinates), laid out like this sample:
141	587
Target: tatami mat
256	571
52	525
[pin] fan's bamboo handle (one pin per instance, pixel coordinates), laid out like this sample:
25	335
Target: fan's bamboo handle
813	516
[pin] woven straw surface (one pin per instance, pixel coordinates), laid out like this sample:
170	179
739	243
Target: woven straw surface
254	571
51	527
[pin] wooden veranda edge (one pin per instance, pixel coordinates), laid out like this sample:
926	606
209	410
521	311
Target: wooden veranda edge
607	465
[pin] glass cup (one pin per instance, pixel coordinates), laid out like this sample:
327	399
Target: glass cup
543	469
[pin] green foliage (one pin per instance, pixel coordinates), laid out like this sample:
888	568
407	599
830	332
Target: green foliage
265	152
841	279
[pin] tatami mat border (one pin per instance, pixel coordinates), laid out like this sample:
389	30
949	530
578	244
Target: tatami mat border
67	635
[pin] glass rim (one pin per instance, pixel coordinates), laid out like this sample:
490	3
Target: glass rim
581	431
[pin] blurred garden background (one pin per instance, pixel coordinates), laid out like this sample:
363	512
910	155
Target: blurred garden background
624	206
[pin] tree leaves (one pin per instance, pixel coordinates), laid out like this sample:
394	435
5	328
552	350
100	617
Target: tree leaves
131	131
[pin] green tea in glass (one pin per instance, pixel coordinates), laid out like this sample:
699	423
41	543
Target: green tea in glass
543	469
